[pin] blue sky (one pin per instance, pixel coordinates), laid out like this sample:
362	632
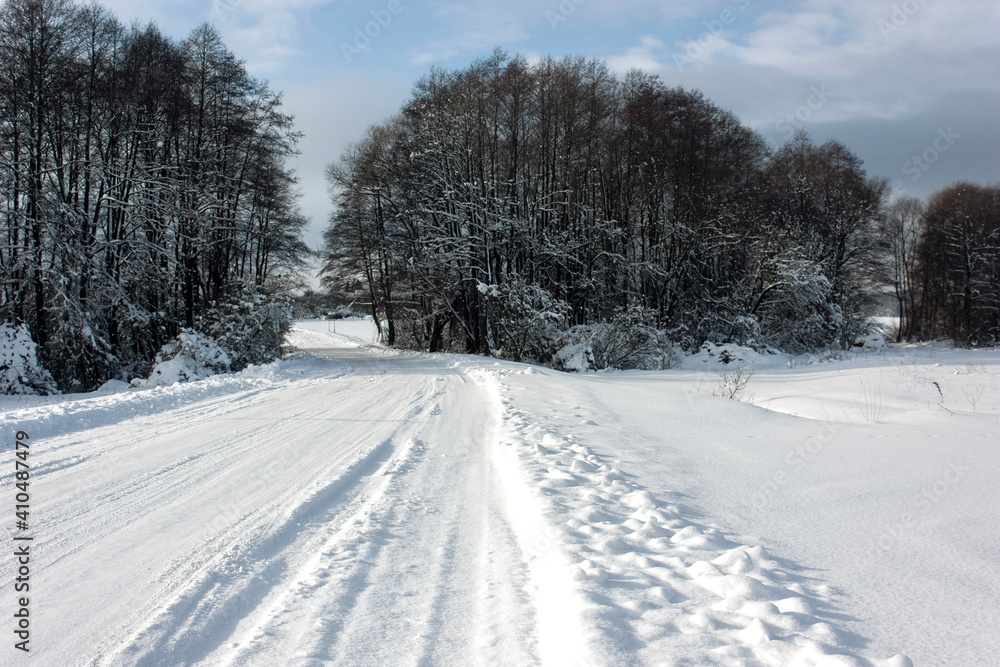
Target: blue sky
911	86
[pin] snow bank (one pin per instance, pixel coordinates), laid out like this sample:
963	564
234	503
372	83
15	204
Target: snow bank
115	403
655	581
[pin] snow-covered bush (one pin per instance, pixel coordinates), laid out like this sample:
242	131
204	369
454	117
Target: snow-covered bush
20	372
250	326
873	342
527	320
799	314
626	342
79	354
190	356
746	331
728	354
575	357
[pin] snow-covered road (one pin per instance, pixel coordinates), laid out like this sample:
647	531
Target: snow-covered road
351	515
359	506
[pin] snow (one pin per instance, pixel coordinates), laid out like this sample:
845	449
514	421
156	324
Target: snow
357	505
875	497
357	330
20	372
577	357
191	356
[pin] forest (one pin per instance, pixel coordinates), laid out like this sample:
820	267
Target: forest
508	208
143	192
514	209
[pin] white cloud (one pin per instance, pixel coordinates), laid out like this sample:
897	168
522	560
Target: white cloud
889	78
332	113
935	48
268	43
264	33
465	28
645	56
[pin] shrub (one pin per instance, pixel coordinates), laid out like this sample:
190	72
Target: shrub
20	372
527	320
250	327
624	343
190	356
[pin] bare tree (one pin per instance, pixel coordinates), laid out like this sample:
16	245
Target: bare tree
902	227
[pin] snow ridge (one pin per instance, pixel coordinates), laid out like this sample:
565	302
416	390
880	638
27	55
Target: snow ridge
558	603
656	586
69	414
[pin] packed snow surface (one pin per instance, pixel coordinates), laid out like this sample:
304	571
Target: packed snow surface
354	505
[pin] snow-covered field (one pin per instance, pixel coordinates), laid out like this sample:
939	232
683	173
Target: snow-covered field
355	505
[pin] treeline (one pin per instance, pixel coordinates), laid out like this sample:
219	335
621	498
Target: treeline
143	189
510	206
513	209
945	264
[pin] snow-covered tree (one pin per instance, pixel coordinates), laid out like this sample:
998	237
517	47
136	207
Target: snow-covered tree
505	187
142	184
958	266
20	372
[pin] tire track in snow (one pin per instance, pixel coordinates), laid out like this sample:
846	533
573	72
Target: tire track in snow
255	554
110	498
208	610
168	518
426	571
176	555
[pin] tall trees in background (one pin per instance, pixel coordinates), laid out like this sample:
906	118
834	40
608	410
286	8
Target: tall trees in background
825	213
957	271
902	225
508	202
142	186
